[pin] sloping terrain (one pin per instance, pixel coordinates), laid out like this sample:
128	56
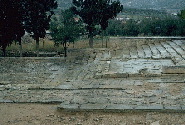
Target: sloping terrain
141	4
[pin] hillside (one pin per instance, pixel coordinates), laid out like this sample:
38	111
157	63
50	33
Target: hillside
141	4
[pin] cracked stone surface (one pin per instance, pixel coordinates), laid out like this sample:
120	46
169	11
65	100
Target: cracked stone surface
145	76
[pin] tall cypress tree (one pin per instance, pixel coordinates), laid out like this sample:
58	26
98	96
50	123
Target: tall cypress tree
11	22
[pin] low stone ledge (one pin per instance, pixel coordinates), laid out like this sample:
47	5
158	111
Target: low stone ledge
32	58
115	75
6	101
135	75
92	106
117	108
149	107
124	75
32	101
173	69
151	75
69	106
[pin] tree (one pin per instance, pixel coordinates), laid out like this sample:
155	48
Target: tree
115	28
19	23
38	15
96	12
18	15
66	29
182	14
130	28
11	22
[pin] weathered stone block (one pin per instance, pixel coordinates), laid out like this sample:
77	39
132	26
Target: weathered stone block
149	107
92	106
173	69
68	106
96	100
134	75
6	101
98	76
67	86
119	107
155	123
115	75
172	107
183	107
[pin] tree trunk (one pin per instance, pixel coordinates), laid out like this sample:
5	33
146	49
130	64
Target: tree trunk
20	47
65	49
4	51
37	47
102	40
106	42
43	44
91	41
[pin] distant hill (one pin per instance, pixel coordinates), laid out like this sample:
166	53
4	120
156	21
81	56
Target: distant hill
154	4
141	4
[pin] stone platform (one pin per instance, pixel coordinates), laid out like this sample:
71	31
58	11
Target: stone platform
144	77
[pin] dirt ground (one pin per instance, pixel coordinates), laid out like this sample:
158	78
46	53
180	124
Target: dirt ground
47	114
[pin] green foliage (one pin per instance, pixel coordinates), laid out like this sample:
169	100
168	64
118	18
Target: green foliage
167	27
115	28
66	28
131	28
118	28
148	27
18	16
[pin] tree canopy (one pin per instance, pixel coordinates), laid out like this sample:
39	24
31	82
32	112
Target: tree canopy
18	16
96	12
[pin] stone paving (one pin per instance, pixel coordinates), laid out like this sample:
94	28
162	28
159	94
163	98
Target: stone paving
148	76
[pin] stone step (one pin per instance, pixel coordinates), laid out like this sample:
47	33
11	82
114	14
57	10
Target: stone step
120	107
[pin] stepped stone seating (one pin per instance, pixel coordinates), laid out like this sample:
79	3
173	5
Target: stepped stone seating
137	76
